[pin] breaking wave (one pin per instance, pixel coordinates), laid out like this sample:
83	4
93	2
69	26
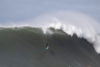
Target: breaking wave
71	23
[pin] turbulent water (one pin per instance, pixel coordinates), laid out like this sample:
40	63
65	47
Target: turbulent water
25	47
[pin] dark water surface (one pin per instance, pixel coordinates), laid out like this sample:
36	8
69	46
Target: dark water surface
25	47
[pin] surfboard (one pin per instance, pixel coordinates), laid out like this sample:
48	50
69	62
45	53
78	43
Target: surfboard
47	48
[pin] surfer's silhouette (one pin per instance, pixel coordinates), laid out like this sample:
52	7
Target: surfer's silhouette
47	45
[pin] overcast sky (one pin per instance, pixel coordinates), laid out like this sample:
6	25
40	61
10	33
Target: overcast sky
21	10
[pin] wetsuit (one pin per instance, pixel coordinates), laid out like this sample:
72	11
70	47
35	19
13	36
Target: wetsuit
47	45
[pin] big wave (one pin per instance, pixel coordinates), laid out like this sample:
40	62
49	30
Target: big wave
69	21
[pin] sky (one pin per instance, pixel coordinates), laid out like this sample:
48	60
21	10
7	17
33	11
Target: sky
23	10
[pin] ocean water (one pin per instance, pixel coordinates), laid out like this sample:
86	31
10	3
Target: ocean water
25	47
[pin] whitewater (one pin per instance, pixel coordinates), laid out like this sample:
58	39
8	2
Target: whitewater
71	22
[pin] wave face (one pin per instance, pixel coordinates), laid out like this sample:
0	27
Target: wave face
25	47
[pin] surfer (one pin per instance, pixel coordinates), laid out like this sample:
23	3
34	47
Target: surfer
47	46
